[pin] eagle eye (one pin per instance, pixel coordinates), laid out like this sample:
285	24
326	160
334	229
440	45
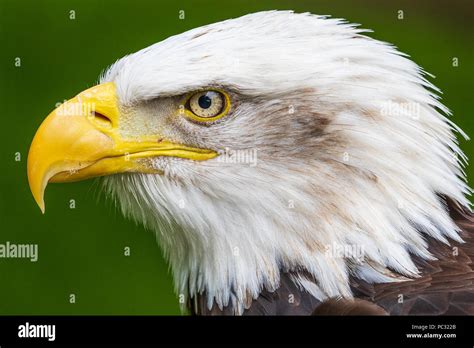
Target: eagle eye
209	105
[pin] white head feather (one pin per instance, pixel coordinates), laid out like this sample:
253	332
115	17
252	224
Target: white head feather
353	149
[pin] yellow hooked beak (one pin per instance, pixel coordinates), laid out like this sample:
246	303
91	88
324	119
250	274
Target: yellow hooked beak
81	139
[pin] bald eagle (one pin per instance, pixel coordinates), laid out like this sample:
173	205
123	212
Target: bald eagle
287	163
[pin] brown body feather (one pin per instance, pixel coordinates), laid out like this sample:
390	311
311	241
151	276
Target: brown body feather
445	287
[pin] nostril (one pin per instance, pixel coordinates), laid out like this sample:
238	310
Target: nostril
101	119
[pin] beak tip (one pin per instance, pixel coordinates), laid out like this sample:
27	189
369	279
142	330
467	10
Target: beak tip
41	205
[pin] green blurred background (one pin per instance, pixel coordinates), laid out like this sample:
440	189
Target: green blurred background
81	250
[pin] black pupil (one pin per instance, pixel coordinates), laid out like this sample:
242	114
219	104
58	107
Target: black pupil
204	101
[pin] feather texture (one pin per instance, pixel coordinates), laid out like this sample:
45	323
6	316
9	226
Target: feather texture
354	149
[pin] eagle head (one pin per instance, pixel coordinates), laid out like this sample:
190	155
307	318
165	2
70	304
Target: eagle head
265	145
